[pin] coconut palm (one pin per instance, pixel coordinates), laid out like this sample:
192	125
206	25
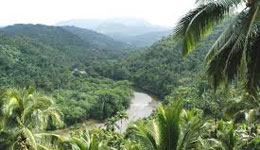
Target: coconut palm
121	116
24	113
191	126
100	139
220	136
243	109
172	129
85	141
228	136
236	51
111	124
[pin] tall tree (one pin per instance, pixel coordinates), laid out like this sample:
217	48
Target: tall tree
236	51
111	124
24	115
121	116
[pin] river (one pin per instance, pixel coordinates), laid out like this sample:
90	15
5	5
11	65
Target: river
142	105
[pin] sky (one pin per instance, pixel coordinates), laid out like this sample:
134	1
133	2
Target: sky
49	12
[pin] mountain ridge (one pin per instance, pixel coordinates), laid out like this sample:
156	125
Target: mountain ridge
49	34
27	49
120	29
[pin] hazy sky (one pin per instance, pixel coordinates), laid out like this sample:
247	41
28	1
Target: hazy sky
162	12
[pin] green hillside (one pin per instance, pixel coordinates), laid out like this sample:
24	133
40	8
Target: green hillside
126	84
60	63
160	68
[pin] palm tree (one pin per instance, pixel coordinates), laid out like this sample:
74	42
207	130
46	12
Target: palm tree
85	141
111	124
221	135
100	139
191	126
236	51
242	109
24	113
172	129
121	116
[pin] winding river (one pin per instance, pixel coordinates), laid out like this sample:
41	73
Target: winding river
142	105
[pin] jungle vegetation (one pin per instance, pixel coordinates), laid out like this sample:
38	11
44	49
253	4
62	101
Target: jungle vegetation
206	74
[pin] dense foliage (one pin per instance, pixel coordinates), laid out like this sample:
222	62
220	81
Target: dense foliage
235	53
60	63
160	68
93	98
24	113
193	114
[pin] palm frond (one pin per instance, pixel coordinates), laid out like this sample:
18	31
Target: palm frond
191	126
168	124
55	116
23	112
225	59
252	82
42	147
30	137
81	143
52	140
198	23
145	136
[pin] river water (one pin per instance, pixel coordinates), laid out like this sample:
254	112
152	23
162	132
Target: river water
142	105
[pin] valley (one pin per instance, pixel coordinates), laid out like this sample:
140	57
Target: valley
90	75
126	84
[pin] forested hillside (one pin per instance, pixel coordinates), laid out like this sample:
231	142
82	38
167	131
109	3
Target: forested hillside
70	88
67	37
160	68
39	47
60	63
80	77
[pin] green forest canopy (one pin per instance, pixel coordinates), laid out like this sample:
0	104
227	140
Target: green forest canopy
81	78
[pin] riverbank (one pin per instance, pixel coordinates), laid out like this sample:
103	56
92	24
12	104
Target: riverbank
142	105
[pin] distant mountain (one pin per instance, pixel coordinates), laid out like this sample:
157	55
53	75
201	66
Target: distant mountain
146	39
96	39
122	29
65	36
